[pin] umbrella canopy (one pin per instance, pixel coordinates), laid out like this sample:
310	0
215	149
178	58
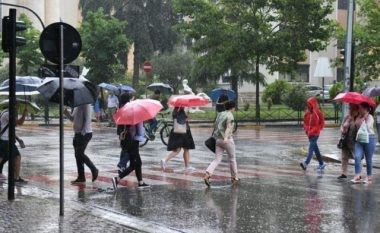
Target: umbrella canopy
109	87
354	98
21	105
214	94
25	85
77	91
187	101
125	88
162	87
137	111
372	91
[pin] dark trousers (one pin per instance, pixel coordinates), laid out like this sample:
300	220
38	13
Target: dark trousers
135	161
80	143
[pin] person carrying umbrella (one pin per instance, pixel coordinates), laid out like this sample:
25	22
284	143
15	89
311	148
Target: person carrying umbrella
129	136
4	141
81	118
223	98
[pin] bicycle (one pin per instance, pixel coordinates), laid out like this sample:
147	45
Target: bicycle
163	126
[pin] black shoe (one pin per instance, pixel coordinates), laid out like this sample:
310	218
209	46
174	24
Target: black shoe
95	175
143	185
21	181
78	181
114	183
343	176
207	181
303	166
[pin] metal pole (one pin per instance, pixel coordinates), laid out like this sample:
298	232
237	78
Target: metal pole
61	128
348	51
12	102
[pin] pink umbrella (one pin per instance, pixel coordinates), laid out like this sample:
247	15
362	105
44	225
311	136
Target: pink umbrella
137	111
354	98
187	101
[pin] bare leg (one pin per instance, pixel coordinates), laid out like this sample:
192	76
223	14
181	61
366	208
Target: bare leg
186	157
172	154
17	166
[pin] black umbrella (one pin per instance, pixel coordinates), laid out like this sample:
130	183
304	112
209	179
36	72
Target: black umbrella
162	87
77	91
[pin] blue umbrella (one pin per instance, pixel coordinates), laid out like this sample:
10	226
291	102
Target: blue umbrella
25	85
109	87
125	88
217	92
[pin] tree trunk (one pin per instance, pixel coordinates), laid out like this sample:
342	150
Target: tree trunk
257	69
136	66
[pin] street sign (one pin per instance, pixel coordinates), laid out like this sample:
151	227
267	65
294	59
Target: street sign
147	67
50	46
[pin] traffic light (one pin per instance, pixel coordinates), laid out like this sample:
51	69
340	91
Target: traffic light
10	27
342	52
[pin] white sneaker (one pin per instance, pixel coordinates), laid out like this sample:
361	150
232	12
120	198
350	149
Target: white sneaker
163	164
189	169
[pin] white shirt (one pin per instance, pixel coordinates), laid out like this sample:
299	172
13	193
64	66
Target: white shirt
113	101
4	122
82	119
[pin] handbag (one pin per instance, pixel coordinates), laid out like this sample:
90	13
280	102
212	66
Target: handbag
179	128
342	141
210	143
362	136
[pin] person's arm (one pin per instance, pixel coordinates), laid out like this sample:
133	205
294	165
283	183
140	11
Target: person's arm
20	141
21	120
68	115
228	131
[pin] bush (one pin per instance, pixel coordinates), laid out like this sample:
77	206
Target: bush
276	91
296	97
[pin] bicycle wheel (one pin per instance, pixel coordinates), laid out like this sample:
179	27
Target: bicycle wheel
165	133
143	143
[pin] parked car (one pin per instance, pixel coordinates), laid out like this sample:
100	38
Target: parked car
313	90
326	92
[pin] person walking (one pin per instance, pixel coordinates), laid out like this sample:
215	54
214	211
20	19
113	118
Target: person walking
348	133
377	112
180	138
224	142
313	123
130	160
112	105
4	142
81	118
367	147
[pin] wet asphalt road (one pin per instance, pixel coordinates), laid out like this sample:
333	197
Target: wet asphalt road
274	195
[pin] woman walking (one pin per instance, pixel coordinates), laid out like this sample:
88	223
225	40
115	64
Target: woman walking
313	123
348	132
129	136
224	142
180	138
366	147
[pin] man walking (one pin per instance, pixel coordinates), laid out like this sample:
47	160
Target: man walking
81	118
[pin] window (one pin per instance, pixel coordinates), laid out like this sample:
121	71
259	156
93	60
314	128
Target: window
300	75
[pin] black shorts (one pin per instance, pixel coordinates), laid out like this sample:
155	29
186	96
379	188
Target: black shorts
4	150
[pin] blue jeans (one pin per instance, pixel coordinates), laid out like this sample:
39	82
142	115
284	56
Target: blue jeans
313	147
367	150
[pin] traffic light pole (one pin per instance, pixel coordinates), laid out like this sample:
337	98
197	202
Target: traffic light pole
12	103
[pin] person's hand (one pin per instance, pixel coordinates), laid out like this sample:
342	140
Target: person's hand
21	142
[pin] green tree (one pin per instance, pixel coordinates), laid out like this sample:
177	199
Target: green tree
367	40
276	91
29	56
103	39
240	35
172	68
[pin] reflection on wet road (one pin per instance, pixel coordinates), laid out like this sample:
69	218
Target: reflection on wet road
274	195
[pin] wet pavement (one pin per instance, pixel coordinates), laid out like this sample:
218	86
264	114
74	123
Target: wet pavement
274	194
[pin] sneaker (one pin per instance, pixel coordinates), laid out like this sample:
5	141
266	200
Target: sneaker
368	180
343	176
163	164
21	181
115	182
321	167
303	166
189	169
235	181
143	185
357	179
207	180
95	175
78	181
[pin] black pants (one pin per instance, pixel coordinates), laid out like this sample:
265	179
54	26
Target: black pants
135	161
80	143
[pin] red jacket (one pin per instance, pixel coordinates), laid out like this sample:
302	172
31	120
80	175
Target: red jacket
314	120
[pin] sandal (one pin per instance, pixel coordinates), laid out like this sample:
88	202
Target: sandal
235	180
206	178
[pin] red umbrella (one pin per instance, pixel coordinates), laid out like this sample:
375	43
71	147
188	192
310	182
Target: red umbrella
187	101
137	111
354	98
